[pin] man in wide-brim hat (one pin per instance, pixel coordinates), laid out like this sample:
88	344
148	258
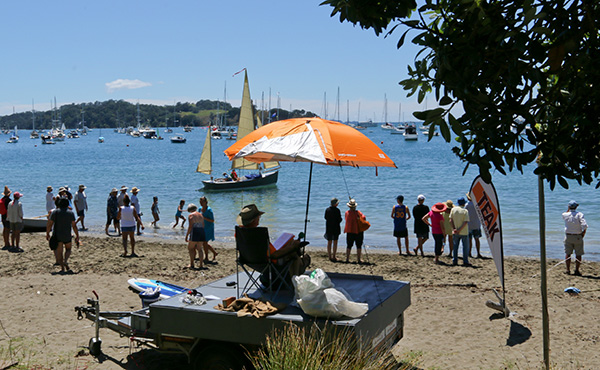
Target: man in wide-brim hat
249	217
436	224
5	224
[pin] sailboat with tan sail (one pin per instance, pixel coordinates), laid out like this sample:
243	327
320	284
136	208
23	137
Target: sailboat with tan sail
267	172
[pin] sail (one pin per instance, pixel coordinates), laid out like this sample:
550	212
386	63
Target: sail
245	125
205	163
273	165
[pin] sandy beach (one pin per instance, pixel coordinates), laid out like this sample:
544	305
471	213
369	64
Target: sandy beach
447	325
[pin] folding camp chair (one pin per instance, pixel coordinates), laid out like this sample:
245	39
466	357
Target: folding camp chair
253	255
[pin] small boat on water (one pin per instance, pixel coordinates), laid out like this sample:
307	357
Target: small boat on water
188	129
14	138
34	225
178	139
410	133
388	126
267	172
47	139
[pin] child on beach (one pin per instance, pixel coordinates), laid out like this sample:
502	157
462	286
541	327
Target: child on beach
155	212
400	214
178	214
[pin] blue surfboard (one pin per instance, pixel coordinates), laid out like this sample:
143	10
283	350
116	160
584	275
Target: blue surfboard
166	290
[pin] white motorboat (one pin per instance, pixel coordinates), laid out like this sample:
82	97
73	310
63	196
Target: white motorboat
178	139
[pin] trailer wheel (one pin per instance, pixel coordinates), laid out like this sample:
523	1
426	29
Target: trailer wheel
95	346
219	357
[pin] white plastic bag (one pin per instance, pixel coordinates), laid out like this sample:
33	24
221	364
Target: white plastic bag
317	296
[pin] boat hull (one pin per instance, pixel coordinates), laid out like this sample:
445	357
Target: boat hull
34	225
267	179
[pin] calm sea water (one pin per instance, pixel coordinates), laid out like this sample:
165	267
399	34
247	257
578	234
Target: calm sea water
166	170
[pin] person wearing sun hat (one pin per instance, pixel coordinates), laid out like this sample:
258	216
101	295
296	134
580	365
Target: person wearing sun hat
50	198
421	229
459	218
122	195
81	206
14	214
447	227
112	210
575	228
249	217
135	202
4	202
437	220
333	219
353	235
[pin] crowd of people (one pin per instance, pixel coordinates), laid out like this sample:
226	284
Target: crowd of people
450	225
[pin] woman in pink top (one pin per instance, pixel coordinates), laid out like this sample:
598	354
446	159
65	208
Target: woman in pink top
437	221
351	230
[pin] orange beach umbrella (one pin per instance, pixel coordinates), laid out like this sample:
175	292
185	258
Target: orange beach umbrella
313	140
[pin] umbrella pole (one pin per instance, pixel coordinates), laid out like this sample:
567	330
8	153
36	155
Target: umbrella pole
307	201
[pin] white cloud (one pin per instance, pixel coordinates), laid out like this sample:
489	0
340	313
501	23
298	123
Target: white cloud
120	84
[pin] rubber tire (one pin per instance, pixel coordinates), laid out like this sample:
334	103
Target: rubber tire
95	347
218	357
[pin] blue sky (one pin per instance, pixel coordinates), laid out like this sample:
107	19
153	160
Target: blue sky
164	51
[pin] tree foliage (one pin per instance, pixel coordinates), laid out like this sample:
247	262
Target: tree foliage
114	113
522	71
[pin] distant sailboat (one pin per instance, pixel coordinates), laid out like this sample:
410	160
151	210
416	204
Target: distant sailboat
14	138
245	126
34	134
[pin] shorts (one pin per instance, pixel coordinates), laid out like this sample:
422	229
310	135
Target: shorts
475	233
198	234
16	226
178	214
80	213
331	236
127	229
400	233
352	238
425	236
574	243
439	243
110	217
64	240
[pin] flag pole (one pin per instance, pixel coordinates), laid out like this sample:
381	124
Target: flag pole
543	285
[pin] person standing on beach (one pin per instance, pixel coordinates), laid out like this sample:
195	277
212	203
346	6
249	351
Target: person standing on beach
112	210
122	195
437	220
351	229
474	227
575	228
61	221
81	206
459	218
209	228
333	219
155	212
421	229
195	235
14	213
128	217
401	214
135	202
178	214
50	205
447	227
4	202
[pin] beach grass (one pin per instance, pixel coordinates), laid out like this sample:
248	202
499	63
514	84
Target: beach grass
315	348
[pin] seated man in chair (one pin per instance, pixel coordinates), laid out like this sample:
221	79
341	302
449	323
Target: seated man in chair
249	217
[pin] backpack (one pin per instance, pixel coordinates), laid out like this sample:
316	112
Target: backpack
2	206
